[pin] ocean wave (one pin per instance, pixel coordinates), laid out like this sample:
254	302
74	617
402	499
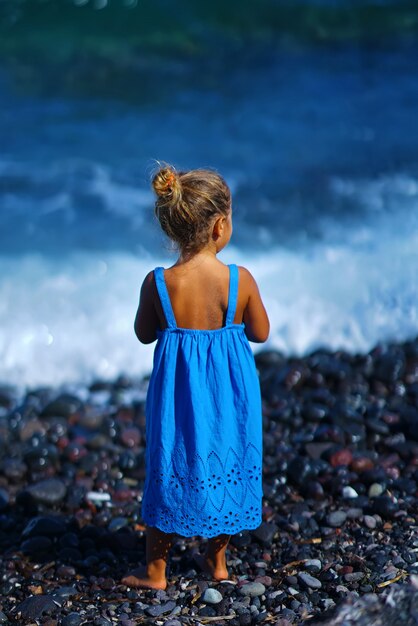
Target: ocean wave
71	320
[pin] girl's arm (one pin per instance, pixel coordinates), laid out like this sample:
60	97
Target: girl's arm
146	320
257	325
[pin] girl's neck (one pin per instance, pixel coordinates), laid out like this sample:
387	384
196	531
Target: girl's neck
208	252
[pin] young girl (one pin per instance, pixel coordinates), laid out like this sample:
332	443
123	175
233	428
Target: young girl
203	410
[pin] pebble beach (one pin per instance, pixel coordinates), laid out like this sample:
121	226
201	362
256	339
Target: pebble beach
338	543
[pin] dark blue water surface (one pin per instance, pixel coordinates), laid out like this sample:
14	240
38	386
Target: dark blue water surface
280	128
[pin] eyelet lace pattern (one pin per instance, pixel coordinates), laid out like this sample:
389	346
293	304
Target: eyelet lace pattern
204	497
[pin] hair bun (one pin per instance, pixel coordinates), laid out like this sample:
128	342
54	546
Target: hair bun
166	183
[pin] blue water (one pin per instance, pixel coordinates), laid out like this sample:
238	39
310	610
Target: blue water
318	145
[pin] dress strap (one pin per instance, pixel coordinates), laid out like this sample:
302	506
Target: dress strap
233	294
164	297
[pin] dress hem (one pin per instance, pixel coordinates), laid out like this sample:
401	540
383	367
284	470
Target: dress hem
201	532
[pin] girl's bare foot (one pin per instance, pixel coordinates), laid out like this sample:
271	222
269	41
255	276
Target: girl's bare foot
139	578
208	566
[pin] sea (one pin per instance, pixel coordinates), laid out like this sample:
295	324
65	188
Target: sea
308	109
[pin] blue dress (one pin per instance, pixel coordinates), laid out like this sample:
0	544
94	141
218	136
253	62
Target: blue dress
203	427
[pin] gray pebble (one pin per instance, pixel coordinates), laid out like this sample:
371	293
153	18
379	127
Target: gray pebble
252	589
353	576
370	521
314	564
336	518
349	492
326	604
211	596
240	607
117	523
375	490
309	581
49	491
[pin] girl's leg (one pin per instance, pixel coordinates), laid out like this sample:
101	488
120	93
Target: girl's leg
213	561
153	574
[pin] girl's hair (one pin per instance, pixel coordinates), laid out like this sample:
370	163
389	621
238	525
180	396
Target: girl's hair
188	202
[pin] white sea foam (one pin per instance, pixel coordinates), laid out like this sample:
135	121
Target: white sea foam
72	319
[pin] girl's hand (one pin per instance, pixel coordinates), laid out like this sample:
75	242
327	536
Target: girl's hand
146	320
257	325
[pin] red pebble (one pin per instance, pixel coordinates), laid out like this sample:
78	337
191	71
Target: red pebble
341	457
268	513
123	495
130	437
361	464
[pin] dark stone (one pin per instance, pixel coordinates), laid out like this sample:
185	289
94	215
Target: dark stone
260	617
384	506
409	416
377	475
62	594
245	619
35	607
35	545
242	539
269	359
63	406
69	555
4	499
66	571
376	426
265	533
72	619
207	611
312	489
14	469
299	470
390	366
314	412
102	621
48	526
159	609
69	540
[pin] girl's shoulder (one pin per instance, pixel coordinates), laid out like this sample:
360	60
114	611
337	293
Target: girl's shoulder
149	280
246	279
